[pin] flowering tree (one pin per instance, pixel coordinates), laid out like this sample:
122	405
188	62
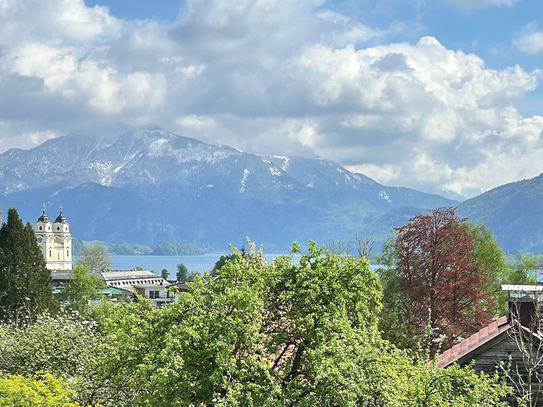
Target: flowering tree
433	279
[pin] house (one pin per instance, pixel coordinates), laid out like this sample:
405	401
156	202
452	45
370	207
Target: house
55	242
158	294
512	345
125	279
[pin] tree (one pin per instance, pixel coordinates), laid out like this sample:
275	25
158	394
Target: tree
81	289
432	277
364	245
94	257
165	273
219	264
62	345
490	260
182	272
285	334
25	281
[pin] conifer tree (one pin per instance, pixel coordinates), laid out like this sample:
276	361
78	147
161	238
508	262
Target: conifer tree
25	281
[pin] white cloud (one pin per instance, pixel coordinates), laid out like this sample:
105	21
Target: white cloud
530	39
272	77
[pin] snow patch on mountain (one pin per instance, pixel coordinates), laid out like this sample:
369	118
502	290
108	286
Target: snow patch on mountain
246	173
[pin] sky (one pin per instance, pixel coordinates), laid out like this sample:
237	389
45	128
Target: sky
439	95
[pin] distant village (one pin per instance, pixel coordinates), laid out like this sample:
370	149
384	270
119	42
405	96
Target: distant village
55	241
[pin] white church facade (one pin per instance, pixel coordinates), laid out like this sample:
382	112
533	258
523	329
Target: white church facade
55	241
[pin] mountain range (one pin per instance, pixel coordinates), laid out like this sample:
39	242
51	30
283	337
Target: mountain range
149	185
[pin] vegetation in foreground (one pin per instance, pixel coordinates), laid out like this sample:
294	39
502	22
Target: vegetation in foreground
291	333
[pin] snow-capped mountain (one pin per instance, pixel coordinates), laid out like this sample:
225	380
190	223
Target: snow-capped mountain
150	185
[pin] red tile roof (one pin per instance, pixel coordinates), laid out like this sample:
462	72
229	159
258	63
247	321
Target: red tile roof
468	345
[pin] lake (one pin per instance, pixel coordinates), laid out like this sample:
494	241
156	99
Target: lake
193	263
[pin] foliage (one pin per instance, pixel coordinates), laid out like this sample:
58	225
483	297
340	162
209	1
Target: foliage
170	248
192	276
122	248
25	281
284	334
142	249
455	387
165	273
432	277
61	345
219	264
43	390
490	260
77	246
81	289
94	257
182	272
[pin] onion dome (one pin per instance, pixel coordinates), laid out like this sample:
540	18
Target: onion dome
44	218
60	218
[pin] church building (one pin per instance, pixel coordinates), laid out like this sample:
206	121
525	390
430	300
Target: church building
55	241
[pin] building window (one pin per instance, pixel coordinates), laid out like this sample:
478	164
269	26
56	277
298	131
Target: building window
50	253
67	252
151	294
58	228
41	227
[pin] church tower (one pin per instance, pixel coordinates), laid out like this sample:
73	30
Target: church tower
55	241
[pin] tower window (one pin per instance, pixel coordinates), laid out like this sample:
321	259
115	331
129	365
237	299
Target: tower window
50	253
67	252
41	227
58	228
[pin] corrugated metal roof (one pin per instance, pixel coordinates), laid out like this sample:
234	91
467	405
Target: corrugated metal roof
476	340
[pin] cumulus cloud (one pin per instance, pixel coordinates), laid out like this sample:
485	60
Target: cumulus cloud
530	39
271	77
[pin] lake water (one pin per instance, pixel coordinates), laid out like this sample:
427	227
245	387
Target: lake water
157	263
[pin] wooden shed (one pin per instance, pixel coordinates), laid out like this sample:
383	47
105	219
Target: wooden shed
513	342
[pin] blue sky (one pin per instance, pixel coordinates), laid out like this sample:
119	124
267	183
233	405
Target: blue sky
443	96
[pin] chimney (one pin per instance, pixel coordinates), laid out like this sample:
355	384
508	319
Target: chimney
523	304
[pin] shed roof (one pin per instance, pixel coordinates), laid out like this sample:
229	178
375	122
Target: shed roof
475	341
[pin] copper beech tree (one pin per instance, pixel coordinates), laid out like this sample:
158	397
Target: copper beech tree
432	280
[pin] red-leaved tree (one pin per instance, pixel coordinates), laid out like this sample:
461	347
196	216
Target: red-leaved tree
433	278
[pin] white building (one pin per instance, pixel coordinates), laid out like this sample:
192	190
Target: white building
55	241
156	293
145	283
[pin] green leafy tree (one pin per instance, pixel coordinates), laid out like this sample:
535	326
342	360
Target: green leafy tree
287	334
94	257
182	272
62	345
81	289
192	276
165	273
219	264
43	390
25	281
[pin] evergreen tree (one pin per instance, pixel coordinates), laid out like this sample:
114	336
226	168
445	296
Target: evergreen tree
25	281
